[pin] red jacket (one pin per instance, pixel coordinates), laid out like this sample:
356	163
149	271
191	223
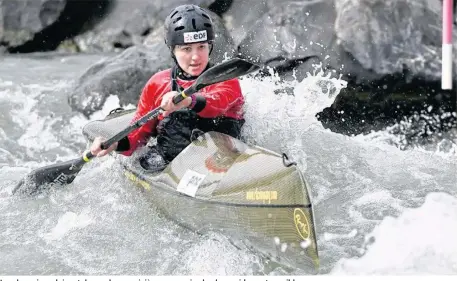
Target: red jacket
222	99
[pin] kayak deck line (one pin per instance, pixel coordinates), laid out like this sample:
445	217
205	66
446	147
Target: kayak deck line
141	182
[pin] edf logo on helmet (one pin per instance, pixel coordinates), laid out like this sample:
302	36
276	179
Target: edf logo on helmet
192	37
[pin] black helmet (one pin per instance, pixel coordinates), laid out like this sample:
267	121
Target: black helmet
188	24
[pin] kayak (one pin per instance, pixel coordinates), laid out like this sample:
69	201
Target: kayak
218	183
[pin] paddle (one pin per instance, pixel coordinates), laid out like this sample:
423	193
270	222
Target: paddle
65	173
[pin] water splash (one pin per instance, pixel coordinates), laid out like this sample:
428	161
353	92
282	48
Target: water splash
417	242
429	132
358	184
278	119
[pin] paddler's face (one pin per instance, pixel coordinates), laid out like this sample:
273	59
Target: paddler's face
192	58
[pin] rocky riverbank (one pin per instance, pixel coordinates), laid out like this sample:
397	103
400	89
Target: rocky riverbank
389	51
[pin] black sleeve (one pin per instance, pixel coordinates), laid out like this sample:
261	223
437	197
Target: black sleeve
123	145
200	103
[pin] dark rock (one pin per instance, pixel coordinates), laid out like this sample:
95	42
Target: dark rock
121	27
123	75
224	47
242	16
387	50
427	128
396	44
20	21
128	22
358	110
288	32
35	26
296	38
389	37
220	7
362	40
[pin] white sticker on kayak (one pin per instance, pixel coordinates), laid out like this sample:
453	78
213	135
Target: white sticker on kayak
190	182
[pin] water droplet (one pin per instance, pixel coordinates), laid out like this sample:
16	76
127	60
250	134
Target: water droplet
283	247
305	244
277	241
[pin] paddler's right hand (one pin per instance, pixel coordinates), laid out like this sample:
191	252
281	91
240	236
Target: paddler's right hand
96	149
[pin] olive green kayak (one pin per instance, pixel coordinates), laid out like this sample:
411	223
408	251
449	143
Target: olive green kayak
218	183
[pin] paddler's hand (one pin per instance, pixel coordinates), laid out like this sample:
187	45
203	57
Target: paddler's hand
96	149
168	105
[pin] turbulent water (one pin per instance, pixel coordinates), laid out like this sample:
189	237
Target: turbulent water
379	209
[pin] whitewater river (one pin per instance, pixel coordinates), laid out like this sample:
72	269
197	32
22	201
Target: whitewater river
379	210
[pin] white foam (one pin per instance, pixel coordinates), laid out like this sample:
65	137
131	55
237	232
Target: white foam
112	102
396	136
332	236
68	222
278	121
374	197
215	255
419	241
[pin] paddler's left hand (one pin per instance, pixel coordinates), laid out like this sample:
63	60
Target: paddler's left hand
168	106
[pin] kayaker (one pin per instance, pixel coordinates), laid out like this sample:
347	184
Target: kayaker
189	34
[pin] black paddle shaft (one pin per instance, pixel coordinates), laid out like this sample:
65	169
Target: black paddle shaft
140	122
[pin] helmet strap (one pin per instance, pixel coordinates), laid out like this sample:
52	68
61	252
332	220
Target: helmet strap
210	48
